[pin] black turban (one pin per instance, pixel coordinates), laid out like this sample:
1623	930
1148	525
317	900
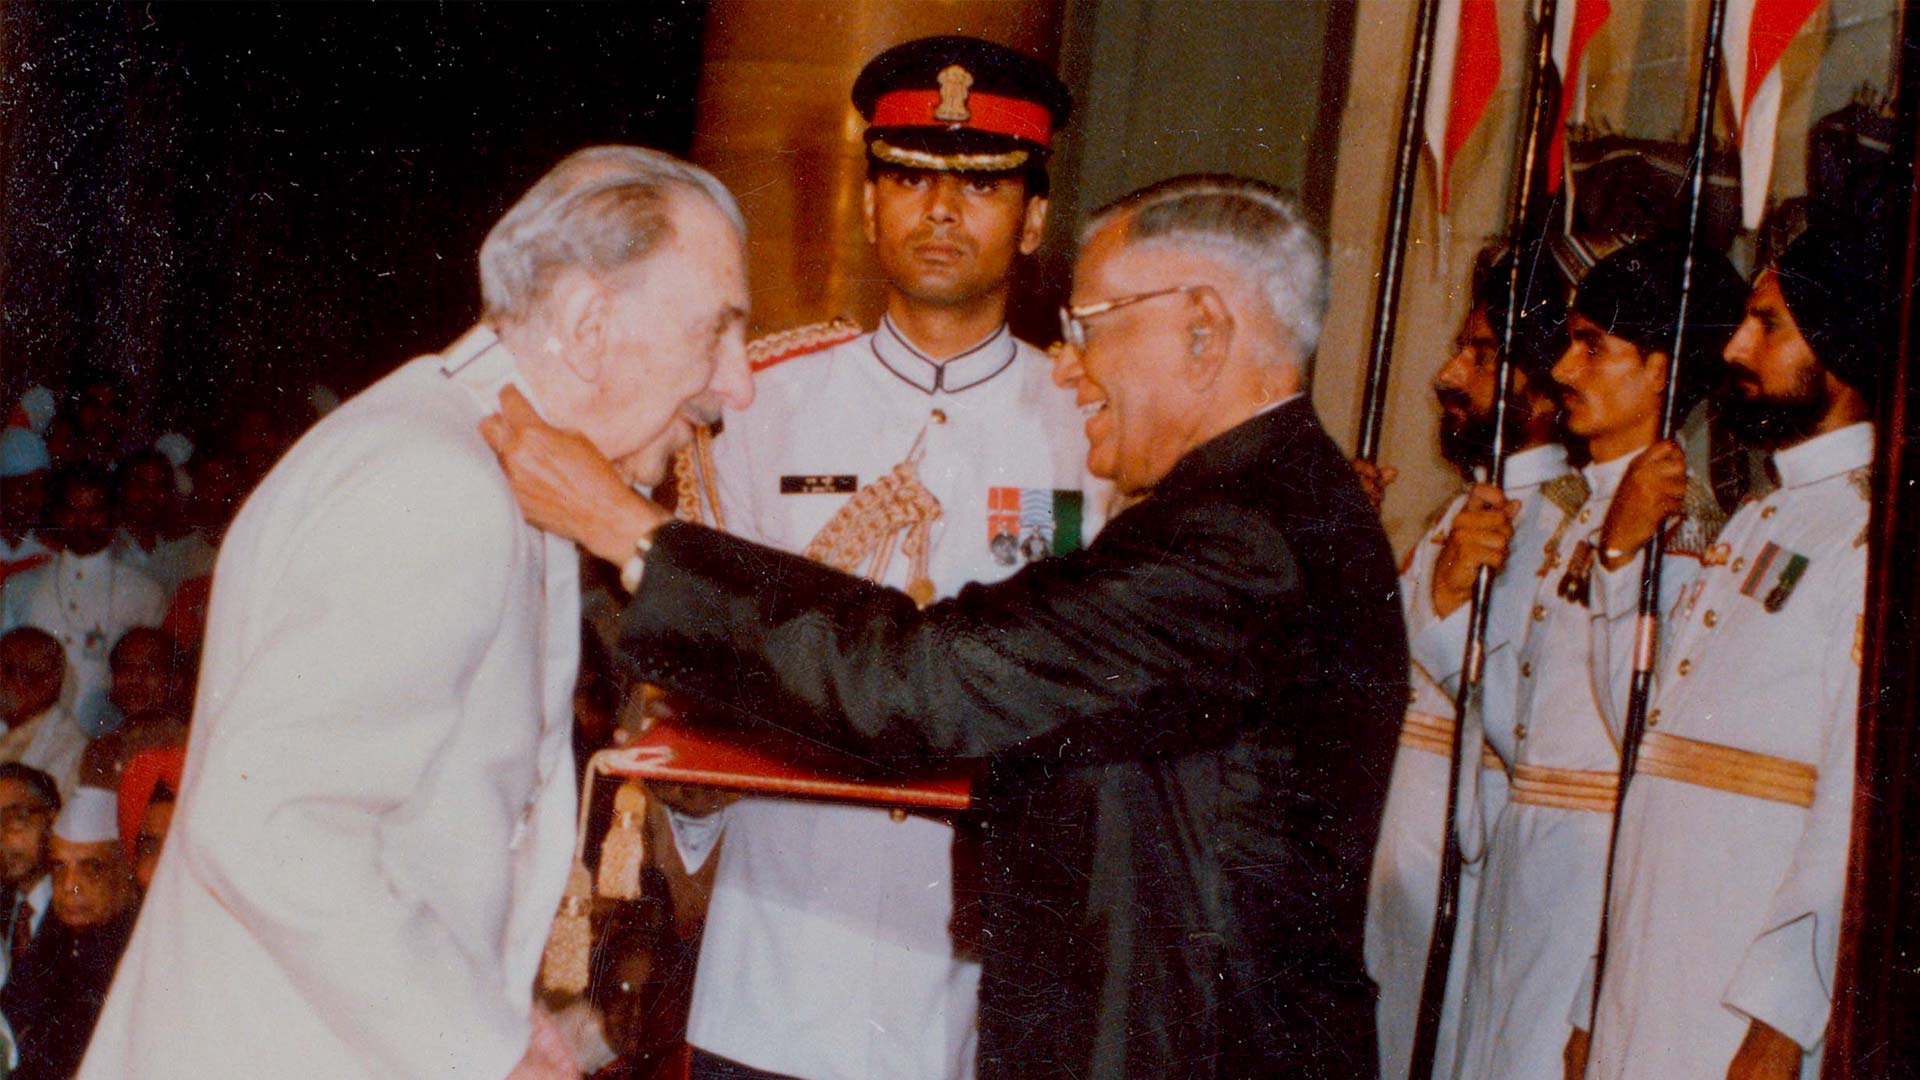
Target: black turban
1540	333
1834	283
1634	294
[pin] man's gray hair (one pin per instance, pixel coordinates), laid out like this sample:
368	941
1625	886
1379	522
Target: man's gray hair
1248	225
602	208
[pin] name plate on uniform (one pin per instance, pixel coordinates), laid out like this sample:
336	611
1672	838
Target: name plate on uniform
768	762
819	485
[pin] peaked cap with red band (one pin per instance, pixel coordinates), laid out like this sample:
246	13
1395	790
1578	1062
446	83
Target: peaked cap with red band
959	104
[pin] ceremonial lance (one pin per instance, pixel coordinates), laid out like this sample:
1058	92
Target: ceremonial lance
1647	626
1406	167
1521	227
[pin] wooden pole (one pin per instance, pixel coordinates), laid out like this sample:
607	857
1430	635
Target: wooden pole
1647	627
1528	178
1406	169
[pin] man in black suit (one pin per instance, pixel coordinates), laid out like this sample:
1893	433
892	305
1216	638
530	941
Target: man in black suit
1201	705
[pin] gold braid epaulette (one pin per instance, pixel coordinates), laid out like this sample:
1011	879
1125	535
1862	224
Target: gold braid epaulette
895	511
863	530
1699	523
696	484
769	349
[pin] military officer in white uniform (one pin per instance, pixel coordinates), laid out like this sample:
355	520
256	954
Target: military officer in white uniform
1733	841
1403	889
1546	856
828	951
85	594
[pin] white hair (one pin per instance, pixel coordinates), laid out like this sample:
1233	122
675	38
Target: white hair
600	209
1248	225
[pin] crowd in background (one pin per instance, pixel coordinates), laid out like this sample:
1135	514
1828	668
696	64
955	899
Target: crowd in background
107	548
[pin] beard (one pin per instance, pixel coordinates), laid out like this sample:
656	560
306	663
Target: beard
1466	436
1770	422
1466	442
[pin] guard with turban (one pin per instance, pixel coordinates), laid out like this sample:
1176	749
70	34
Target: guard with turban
1732	843
1517	522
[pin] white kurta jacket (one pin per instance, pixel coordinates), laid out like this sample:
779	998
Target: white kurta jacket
1546	859
378	803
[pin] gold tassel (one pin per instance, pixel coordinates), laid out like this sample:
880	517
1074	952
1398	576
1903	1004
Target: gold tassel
625	847
564	966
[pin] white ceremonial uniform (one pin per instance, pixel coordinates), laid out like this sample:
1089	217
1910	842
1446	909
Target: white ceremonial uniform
168	562
1404	886
1546	858
87	601
827	953
1726	903
377	812
51	742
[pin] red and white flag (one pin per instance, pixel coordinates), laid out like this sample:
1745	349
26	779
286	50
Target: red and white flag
1574	24
1466	69
1757	33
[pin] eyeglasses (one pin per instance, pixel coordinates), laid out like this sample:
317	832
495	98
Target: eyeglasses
1073	319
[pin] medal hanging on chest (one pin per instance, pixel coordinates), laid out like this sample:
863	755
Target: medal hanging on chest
85	628
1029	524
1573	584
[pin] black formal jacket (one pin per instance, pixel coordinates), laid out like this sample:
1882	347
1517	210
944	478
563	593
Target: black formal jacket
54	996
1188	726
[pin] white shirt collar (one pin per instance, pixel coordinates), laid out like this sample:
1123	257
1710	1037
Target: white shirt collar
1822	456
1267	408
41	897
962	371
483	364
1604	476
78	565
1535	465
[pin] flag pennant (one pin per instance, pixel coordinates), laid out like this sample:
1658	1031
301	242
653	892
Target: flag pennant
1465	72
1574	24
1756	35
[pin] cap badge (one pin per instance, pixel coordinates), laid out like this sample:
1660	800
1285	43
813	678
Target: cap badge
954	81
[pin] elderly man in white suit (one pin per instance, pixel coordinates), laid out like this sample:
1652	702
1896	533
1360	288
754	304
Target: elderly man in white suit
377	812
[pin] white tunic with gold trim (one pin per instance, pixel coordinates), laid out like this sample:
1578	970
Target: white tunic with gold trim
1540	892
827	951
1733	844
1406	863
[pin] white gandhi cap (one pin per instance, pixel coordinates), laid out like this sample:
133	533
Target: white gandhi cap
91	816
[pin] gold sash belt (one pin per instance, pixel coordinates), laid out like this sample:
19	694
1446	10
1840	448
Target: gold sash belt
1434	735
1727	768
1566	789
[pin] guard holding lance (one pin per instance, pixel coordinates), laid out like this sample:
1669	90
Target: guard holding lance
1731	855
1434	585
1541	886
